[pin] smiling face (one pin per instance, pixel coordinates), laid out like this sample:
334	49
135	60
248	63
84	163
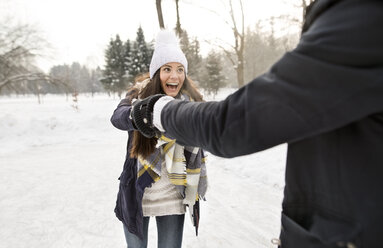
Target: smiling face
172	76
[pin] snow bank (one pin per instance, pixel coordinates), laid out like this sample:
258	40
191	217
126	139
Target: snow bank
59	167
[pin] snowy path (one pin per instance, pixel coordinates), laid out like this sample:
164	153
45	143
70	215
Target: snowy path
59	170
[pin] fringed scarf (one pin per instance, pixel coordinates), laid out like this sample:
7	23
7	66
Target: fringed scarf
185	165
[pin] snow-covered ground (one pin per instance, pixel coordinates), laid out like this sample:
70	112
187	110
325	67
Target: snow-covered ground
59	168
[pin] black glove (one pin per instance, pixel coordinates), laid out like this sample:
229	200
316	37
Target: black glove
142	115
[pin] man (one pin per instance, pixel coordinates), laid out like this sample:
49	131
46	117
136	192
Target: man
325	99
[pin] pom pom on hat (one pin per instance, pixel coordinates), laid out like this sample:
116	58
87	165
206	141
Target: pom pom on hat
166	50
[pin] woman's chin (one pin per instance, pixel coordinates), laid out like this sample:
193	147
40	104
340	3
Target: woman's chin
172	93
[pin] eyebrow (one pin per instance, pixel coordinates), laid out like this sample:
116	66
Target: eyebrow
171	66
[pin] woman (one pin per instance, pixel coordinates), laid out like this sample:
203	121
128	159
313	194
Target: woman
160	177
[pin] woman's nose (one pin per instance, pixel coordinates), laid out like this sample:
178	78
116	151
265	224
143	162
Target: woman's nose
173	74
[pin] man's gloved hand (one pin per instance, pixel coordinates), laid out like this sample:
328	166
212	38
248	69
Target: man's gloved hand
142	115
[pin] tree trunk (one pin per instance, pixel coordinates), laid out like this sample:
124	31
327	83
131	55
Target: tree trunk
239	36
241	65
38	98
159	13
178	25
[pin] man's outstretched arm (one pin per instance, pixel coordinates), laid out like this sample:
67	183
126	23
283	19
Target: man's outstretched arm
334	77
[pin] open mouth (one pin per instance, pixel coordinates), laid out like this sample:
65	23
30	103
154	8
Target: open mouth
172	86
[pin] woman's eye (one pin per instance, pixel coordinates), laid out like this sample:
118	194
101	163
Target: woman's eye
166	69
180	69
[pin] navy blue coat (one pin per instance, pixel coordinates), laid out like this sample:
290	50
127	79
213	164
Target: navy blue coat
129	200
325	99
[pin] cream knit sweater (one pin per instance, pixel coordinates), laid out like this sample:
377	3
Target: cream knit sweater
162	198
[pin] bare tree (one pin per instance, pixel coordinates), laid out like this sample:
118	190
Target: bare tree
19	46
178	24
239	43
161	18
159	13
235	53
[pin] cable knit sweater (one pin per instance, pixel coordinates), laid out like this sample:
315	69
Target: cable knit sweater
162	198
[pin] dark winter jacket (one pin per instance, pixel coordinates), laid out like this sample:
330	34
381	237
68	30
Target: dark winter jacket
325	99
129	200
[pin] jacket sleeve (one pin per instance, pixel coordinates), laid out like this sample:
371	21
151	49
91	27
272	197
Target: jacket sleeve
120	118
334	77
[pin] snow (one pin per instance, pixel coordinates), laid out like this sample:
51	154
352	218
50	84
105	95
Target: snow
59	168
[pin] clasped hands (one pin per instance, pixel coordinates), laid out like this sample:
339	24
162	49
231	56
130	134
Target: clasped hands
142	115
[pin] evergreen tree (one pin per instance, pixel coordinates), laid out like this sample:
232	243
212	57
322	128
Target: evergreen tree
128	61
191	50
75	76
85	83
195	58
114	74
213	78
141	55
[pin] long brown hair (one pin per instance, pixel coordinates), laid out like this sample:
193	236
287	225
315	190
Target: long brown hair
142	146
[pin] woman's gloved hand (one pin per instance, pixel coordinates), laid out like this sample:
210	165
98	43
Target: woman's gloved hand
142	115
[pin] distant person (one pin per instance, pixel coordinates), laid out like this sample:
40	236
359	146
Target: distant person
160	177
325	99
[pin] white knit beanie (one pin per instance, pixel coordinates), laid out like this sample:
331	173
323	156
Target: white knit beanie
166	50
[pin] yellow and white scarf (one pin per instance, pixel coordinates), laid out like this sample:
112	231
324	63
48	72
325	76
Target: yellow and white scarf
185	166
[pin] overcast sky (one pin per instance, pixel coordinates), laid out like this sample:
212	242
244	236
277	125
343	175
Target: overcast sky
79	30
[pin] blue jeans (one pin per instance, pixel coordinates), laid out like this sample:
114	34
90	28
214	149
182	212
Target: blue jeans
169	231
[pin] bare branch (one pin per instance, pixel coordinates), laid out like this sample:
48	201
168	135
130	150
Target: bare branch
33	76
211	11
22	77
220	43
228	54
19	45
